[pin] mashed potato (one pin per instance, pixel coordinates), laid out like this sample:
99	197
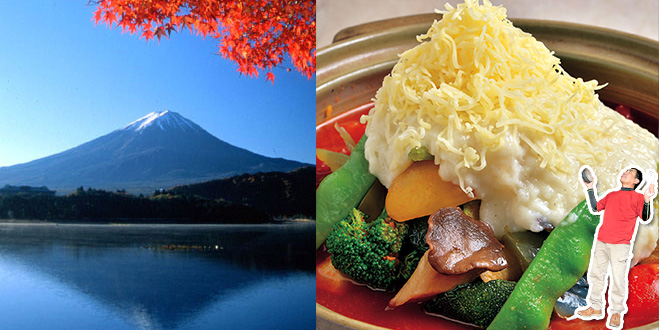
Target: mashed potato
503	121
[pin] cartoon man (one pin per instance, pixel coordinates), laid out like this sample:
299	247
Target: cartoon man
612	246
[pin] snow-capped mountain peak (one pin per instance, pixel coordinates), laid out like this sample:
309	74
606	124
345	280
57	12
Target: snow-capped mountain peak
161	119
159	150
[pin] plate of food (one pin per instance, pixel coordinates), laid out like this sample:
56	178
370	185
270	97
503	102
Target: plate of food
448	182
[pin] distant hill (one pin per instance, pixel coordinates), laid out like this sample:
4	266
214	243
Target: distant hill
160	150
276	193
249	198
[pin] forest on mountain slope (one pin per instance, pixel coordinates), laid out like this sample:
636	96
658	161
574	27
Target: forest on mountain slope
248	198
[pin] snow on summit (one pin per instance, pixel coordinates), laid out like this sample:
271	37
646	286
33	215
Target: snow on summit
163	120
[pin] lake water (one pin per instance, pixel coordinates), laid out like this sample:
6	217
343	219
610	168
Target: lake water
157	276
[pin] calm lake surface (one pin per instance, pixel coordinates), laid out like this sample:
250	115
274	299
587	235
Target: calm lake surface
157	276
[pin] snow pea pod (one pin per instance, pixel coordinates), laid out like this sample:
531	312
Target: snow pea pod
341	191
560	263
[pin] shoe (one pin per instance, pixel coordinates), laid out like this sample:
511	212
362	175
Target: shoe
615	321
590	314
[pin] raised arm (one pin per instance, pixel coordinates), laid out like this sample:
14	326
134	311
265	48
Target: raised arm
591	199
648	195
588	180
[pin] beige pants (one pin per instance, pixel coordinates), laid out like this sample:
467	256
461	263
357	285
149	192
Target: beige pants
618	257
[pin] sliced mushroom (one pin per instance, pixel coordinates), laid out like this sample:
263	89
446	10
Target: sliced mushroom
459	244
426	282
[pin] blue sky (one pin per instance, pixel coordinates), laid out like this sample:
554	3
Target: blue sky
65	81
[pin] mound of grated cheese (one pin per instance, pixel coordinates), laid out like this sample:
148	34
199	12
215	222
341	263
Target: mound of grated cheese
503	121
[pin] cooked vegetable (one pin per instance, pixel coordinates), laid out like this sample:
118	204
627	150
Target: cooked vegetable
643	298
561	261
459	244
373	202
419	191
472	209
341	191
416	242
475	303
418	229
333	159
419	154
331	279
524	245
367	252
410	264
460	248
426	282
347	138
510	273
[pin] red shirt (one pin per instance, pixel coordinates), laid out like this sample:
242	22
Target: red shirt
621	210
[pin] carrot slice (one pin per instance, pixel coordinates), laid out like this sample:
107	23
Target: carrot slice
419	191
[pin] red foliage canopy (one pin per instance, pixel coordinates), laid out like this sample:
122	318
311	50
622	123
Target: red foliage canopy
255	34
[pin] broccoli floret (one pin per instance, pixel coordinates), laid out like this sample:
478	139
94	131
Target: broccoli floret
474	303
367	252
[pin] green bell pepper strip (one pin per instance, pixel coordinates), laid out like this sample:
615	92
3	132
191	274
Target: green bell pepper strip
342	191
561	261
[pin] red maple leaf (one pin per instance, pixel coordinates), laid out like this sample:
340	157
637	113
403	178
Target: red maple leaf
255	34
148	34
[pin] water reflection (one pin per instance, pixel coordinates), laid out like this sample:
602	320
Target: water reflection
120	277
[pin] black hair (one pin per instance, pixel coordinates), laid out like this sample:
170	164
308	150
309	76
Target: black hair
639	176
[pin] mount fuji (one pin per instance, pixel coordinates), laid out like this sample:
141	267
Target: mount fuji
159	150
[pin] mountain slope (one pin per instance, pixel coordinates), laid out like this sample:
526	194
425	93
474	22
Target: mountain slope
157	151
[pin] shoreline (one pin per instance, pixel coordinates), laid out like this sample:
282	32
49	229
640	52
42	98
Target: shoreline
152	222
